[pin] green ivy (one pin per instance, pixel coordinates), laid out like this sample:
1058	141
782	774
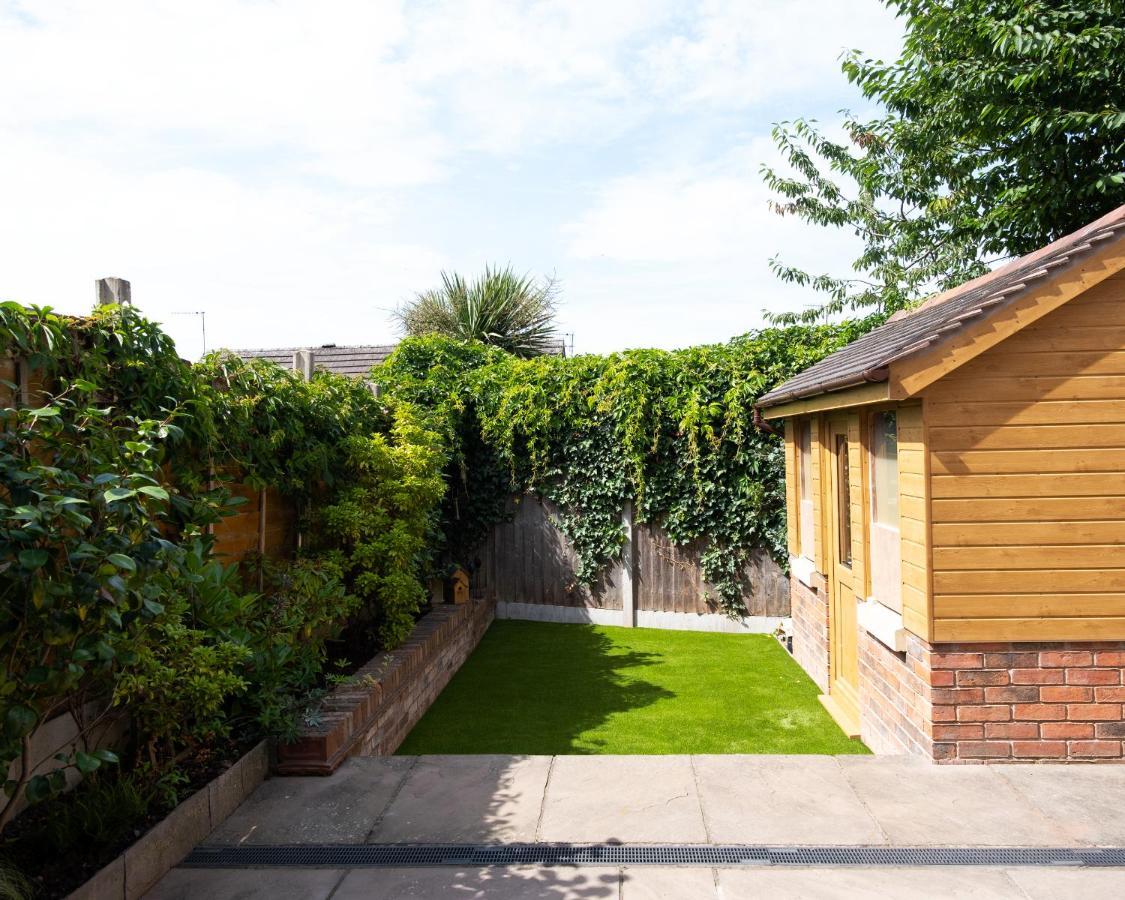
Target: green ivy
670	431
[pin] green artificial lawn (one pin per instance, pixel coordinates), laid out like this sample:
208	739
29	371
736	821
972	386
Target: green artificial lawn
544	688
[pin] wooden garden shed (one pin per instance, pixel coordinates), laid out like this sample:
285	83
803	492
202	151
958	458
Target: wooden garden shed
956	500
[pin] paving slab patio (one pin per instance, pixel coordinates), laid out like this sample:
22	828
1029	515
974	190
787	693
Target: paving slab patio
312	809
642	883
781	800
610	798
673	799
920	804
498	800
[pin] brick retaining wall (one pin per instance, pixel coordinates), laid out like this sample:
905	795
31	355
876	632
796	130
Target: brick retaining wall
1047	702
372	714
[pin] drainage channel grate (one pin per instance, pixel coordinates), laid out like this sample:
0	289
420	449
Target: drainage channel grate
356	856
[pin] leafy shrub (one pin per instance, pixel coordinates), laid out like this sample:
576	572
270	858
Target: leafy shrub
380	527
285	630
108	588
85	568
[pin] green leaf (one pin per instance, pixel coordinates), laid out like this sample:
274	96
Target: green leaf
44	412
118	493
34	558
38	789
106	756
154	491
86	762
19	721
122	561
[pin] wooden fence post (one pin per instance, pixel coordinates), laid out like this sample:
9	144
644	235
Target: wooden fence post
628	561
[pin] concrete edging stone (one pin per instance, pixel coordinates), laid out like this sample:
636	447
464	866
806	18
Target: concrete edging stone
161	848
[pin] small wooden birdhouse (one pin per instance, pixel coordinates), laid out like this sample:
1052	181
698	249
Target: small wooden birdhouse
460	582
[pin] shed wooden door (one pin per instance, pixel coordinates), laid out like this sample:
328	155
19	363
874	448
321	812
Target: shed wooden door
843	687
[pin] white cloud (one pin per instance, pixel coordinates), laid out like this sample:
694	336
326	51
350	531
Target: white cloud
731	53
297	167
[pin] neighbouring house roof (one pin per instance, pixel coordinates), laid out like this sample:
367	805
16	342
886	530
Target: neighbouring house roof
355	360
910	331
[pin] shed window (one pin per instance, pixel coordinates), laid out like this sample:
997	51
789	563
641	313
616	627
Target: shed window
805	473
843	500
886	544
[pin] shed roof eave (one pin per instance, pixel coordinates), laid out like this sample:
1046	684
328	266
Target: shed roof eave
857	393
772	400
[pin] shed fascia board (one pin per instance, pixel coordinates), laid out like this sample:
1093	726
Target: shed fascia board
861	395
914	373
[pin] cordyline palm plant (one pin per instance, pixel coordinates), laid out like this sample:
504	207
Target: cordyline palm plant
513	312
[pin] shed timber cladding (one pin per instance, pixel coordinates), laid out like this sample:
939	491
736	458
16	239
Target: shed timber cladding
904	334
1027	455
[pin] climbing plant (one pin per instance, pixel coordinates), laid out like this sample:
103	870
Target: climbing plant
670	431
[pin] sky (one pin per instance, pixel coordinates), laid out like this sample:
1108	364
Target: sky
297	170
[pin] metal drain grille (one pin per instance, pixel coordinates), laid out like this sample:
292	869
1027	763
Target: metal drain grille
355	856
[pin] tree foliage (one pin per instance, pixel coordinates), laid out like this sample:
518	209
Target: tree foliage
1002	129
500	308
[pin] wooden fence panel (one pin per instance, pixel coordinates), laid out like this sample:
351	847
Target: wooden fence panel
266	523
529	560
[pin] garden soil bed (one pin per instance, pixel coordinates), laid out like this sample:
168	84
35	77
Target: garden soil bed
215	784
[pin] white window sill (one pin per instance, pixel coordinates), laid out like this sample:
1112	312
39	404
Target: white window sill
882	623
803	570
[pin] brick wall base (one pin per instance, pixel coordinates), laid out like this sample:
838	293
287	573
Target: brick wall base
810	630
969	703
372	714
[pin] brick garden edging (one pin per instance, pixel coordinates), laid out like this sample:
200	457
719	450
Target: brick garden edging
374	712
161	848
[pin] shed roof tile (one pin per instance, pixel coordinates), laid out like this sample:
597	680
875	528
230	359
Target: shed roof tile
908	332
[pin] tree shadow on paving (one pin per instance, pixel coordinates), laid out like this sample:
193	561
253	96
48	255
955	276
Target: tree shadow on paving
534	690
496	883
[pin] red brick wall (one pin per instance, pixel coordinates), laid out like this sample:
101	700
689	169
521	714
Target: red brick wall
373	714
810	630
977	702
1029	701
894	696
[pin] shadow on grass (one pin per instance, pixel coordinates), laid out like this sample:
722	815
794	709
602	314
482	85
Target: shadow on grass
516	692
